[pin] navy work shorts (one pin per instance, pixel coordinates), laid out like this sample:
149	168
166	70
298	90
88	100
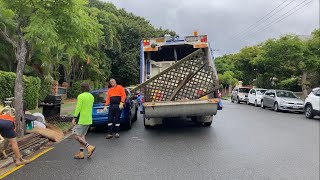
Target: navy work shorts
7	129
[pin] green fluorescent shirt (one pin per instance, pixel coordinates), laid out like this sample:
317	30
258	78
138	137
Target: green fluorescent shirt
84	108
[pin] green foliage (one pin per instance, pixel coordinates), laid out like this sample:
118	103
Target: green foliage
31	85
75	89
291	83
227	78
45	88
6	85
276	63
32	91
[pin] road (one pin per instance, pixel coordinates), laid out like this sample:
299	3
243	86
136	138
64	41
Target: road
244	142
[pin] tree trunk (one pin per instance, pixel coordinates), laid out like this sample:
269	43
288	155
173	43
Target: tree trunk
230	88
304	84
21	53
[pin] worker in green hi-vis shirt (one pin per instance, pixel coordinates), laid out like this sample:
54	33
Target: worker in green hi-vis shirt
82	121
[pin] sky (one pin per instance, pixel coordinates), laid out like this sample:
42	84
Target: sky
229	24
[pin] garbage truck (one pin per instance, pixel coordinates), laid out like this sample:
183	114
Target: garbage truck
178	79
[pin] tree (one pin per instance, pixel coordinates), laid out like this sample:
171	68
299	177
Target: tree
64	26
227	80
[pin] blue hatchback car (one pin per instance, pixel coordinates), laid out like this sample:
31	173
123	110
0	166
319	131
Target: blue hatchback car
100	116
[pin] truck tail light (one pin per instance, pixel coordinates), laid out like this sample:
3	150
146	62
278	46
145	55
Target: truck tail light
203	39
146	42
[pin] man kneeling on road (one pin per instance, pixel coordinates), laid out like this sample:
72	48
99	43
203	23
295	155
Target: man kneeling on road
115	99
82	120
7	130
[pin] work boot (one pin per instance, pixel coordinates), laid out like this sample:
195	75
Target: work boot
90	150
79	155
109	136
22	161
117	135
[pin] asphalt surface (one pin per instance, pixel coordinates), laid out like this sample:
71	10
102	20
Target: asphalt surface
244	142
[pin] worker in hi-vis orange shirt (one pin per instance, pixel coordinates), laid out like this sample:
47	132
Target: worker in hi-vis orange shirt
115	99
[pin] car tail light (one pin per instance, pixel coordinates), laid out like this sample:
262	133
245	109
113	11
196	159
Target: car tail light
203	39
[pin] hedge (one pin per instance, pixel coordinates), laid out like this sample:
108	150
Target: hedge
75	88
34	88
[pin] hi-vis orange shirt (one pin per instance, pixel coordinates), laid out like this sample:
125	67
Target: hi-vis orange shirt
8	118
115	95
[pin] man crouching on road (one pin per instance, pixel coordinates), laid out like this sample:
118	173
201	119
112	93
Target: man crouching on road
7	130
82	120
115	99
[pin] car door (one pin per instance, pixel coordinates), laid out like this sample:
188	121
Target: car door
251	96
272	98
266	98
269	99
316	101
130	102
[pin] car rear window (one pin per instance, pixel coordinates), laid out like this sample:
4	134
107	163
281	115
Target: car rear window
244	90
286	94
261	92
99	97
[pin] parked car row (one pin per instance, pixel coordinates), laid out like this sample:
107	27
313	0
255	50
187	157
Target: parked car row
279	100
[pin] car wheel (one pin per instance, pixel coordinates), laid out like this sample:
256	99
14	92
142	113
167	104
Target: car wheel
262	105
232	100
206	124
255	103
276	107
135	117
237	100
128	124
309	112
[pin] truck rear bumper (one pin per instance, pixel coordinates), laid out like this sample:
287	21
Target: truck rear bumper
185	108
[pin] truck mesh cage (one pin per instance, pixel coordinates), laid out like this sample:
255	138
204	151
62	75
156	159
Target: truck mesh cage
190	78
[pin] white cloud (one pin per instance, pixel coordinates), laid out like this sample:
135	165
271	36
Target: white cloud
223	19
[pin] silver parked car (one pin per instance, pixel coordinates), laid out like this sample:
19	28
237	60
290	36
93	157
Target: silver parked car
240	94
282	100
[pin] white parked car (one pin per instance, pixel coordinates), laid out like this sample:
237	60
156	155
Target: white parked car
312	104
255	96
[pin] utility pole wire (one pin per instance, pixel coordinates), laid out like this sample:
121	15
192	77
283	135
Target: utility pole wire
245	29
281	18
245	34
